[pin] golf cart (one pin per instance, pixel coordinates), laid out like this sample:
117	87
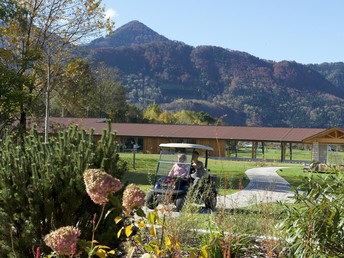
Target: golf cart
169	188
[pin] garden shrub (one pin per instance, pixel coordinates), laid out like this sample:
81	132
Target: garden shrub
42	187
314	227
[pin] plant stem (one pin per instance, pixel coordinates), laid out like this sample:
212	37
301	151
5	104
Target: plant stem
95	228
162	230
101	215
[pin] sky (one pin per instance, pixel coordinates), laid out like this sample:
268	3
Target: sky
305	31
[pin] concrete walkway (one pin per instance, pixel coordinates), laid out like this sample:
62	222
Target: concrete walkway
265	186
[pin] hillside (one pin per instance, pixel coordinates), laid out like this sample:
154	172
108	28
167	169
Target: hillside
334	72
239	87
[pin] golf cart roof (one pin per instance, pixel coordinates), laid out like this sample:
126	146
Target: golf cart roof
185	146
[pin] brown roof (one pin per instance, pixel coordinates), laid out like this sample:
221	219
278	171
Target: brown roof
338	133
271	134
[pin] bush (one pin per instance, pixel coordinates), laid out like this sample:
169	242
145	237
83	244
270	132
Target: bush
315	225
42	188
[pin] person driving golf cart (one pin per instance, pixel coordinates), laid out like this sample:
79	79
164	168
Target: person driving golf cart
197	168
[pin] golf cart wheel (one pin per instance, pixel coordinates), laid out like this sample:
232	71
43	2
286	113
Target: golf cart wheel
151	201
210	202
179	203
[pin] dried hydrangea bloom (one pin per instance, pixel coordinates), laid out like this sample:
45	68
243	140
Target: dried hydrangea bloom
99	184
133	197
63	240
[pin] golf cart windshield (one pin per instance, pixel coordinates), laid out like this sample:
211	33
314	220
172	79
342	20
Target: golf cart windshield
170	157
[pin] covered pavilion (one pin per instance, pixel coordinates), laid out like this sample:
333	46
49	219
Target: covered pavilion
148	137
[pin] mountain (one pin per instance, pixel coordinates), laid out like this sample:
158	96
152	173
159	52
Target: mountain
333	72
132	33
238	87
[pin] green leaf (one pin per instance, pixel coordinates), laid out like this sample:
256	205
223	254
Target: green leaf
204	251
148	248
152	217
140	213
152	231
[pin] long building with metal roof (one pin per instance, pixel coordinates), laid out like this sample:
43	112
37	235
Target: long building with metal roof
149	136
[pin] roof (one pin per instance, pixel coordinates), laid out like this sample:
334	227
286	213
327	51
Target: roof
333	135
240	133
185	146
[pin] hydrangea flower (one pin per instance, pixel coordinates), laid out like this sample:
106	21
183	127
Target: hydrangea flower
99	184
133	197
63	240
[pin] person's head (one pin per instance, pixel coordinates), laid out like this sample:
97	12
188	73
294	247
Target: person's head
195	155
181	157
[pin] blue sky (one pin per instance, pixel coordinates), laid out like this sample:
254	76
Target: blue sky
305	31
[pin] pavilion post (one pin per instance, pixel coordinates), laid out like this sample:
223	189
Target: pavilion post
290	151
282	151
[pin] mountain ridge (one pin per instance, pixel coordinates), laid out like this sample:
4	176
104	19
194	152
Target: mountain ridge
156	69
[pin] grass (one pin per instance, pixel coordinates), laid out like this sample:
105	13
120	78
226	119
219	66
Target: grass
230	174
293	175
275	154
249	219
143	173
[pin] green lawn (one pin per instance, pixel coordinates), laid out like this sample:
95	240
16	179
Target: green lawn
275	154
230	174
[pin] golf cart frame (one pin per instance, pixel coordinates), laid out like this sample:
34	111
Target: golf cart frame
171	189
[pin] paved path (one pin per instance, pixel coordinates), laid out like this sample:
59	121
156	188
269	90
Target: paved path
265	186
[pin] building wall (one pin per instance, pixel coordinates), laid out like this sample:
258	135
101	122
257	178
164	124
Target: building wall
151	145
219	146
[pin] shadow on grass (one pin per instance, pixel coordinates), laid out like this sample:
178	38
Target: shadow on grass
138	178
234	183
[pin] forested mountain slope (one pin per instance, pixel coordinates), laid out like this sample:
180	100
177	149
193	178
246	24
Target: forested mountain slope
239	87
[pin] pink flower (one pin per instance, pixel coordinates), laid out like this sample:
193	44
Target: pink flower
38	252
63	240
133	197
99	184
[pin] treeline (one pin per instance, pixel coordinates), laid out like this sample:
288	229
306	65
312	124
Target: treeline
95	91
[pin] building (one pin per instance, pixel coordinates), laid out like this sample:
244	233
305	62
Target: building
147	137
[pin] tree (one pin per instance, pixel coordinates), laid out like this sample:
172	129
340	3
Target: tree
76	89
155	114
152	113
109	96
134	114
40	34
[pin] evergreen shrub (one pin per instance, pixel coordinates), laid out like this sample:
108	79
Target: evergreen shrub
42	187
